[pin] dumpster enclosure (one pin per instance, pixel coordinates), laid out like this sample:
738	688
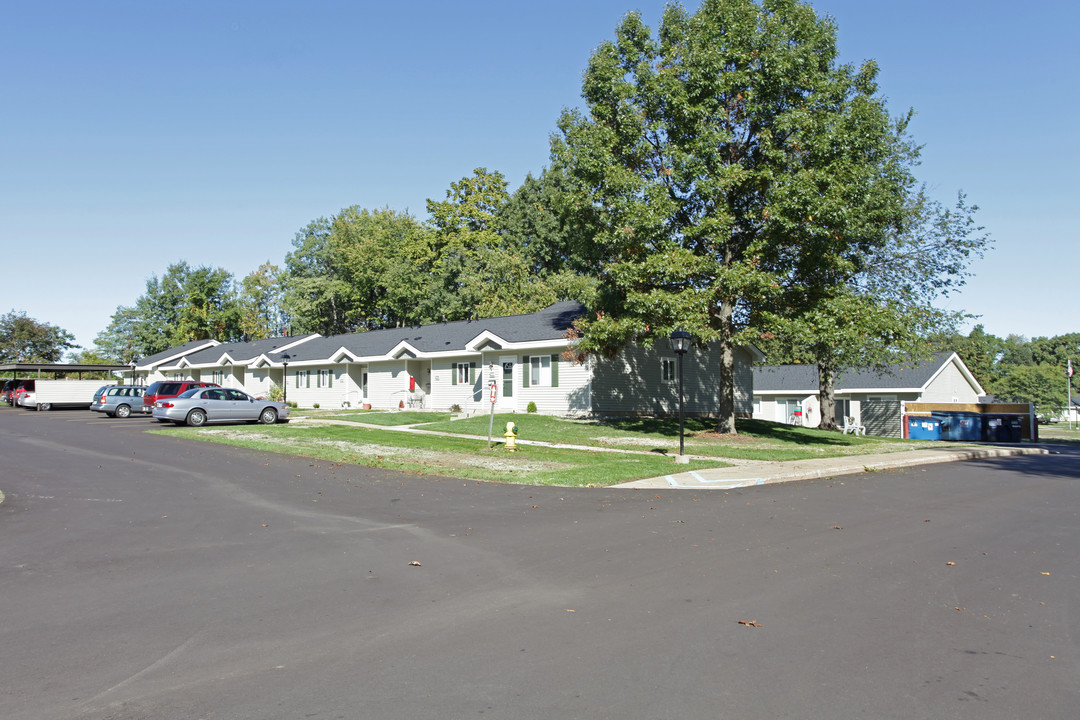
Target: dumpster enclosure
990	422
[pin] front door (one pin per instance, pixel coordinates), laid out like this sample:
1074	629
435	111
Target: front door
505	380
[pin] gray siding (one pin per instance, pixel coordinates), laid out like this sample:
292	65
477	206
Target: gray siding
632	383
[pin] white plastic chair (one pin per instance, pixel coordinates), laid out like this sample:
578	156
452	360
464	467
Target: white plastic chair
851	427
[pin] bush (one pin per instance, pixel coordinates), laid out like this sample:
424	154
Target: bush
531	407
455	408
276	393
316	406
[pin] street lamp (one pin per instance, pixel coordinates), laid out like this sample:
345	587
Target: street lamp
680	343
285	358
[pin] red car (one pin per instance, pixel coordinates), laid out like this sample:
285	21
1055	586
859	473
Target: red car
169	389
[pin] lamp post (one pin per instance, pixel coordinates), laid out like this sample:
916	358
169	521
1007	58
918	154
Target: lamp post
680	343
285	358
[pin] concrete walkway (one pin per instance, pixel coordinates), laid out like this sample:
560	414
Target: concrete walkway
763	473
746	473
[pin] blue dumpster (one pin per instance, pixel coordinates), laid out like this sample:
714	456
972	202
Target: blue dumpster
924	427
961	426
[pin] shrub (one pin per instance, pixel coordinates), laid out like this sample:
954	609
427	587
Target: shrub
316	406
531	407
276	393
455	408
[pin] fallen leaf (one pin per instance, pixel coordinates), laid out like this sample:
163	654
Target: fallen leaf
569	610
164	516
266	525
837	527
950	563
415	563
750	623
1044	573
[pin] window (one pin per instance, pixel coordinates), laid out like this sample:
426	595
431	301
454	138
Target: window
325	378
542	370
303	378
463	373
668	370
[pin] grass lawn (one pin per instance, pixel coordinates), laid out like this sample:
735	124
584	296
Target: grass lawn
756	439
439	455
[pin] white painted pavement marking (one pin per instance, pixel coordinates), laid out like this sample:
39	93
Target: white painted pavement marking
719	484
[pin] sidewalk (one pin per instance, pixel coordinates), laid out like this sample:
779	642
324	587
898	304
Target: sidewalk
764	473
745	473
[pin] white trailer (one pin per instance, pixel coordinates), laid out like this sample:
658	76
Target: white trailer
49	394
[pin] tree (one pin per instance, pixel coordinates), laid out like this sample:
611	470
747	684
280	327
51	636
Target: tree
25	340
260	303
317	295
182	305
701	165
979	350
1042	385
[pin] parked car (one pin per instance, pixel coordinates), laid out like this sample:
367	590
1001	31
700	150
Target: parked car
121	400
200	406
163	389
9	389
21	390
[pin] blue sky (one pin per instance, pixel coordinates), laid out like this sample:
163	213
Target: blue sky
136	134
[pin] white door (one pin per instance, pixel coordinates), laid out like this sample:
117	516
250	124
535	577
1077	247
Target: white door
505	379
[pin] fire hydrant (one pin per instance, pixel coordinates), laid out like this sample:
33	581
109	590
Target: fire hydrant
511	436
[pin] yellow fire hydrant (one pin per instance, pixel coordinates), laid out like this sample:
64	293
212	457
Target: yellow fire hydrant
511	436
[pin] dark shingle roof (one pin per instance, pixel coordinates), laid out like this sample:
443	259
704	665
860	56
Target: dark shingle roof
180	350
548	324
244	350
798	378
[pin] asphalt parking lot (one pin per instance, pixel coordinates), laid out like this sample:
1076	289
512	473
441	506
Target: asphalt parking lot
148	576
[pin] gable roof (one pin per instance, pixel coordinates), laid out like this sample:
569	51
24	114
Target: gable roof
243	352
174	353
548	326
803	379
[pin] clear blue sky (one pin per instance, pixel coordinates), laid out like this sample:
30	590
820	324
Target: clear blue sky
136	134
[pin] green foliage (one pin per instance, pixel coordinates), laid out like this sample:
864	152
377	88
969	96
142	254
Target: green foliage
1042	385
315	406
277	394
261	303
24	340
714	159
184	304
531	408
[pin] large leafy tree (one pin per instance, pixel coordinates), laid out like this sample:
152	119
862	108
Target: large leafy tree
1042	385
317	295
260	303
24	339
184	304
708	163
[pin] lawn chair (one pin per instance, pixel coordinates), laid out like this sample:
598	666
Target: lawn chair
851	427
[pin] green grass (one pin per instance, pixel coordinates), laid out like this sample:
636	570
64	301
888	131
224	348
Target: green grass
447	456
755	440
392	418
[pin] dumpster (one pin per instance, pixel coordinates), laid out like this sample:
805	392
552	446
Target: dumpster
1002	428
923	427
961	426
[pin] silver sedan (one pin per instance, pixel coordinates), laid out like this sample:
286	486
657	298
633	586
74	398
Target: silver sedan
200	406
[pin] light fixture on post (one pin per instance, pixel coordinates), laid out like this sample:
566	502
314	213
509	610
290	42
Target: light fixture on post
285	358
680	343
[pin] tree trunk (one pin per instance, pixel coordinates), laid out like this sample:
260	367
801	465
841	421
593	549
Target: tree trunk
725	421
827	396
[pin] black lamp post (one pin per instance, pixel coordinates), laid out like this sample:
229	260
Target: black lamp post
680	343
285	358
